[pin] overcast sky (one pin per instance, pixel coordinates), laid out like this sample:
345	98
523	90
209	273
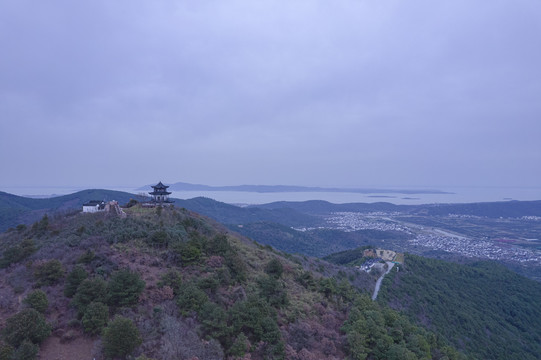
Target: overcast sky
328	93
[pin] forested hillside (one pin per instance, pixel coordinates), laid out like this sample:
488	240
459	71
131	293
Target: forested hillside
315	242
485	209
167	284
15	210
231	214
486	310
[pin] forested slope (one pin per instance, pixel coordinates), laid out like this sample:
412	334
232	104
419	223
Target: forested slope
169	284
315	242
484	309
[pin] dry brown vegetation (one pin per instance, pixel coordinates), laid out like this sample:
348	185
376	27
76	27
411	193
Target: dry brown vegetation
208	294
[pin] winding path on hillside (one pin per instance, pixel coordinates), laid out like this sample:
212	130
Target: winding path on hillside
378	283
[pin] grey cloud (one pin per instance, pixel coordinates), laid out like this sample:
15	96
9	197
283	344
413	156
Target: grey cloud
308	92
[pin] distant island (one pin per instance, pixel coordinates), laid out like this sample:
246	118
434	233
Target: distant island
181	186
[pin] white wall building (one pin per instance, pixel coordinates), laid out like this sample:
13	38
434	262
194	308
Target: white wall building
93	206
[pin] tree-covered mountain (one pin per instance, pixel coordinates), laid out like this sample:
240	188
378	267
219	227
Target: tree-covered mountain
315	242
484	309
488	209
166	283
231	214
15	210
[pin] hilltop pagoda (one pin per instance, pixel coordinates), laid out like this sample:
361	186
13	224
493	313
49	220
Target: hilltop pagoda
160	195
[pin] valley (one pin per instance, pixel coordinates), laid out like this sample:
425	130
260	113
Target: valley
506	243
292	265
506	240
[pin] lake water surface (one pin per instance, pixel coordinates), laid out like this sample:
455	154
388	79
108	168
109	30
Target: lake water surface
455	195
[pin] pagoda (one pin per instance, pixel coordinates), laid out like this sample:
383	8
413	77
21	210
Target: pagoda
160	195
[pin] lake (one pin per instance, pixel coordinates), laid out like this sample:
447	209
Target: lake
456	195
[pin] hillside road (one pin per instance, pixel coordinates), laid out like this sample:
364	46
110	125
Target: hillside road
378	283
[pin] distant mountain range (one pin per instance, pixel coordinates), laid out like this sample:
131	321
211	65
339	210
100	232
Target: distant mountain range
495	209
181	186
16	210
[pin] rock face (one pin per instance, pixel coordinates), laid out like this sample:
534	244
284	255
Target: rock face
112	207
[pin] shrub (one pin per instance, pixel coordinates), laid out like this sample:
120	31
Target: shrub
247	316
37	300
124	288
26	351
131	203
17	253
210	282
40	227
120	337
6	351
81	230
191	298
49	273
26	325
158	238
173	279
257	320
73	280
189	252
87	257
213	319
89	291
274	268
327	286
219	245
272	290
237	267
95	317
306	279
240	346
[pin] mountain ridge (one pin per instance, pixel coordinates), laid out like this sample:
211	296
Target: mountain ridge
186	288
182	186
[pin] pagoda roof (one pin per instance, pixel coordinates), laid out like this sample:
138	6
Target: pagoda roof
159	186
160	193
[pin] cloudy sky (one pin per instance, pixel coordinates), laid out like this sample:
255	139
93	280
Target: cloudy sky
222	92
